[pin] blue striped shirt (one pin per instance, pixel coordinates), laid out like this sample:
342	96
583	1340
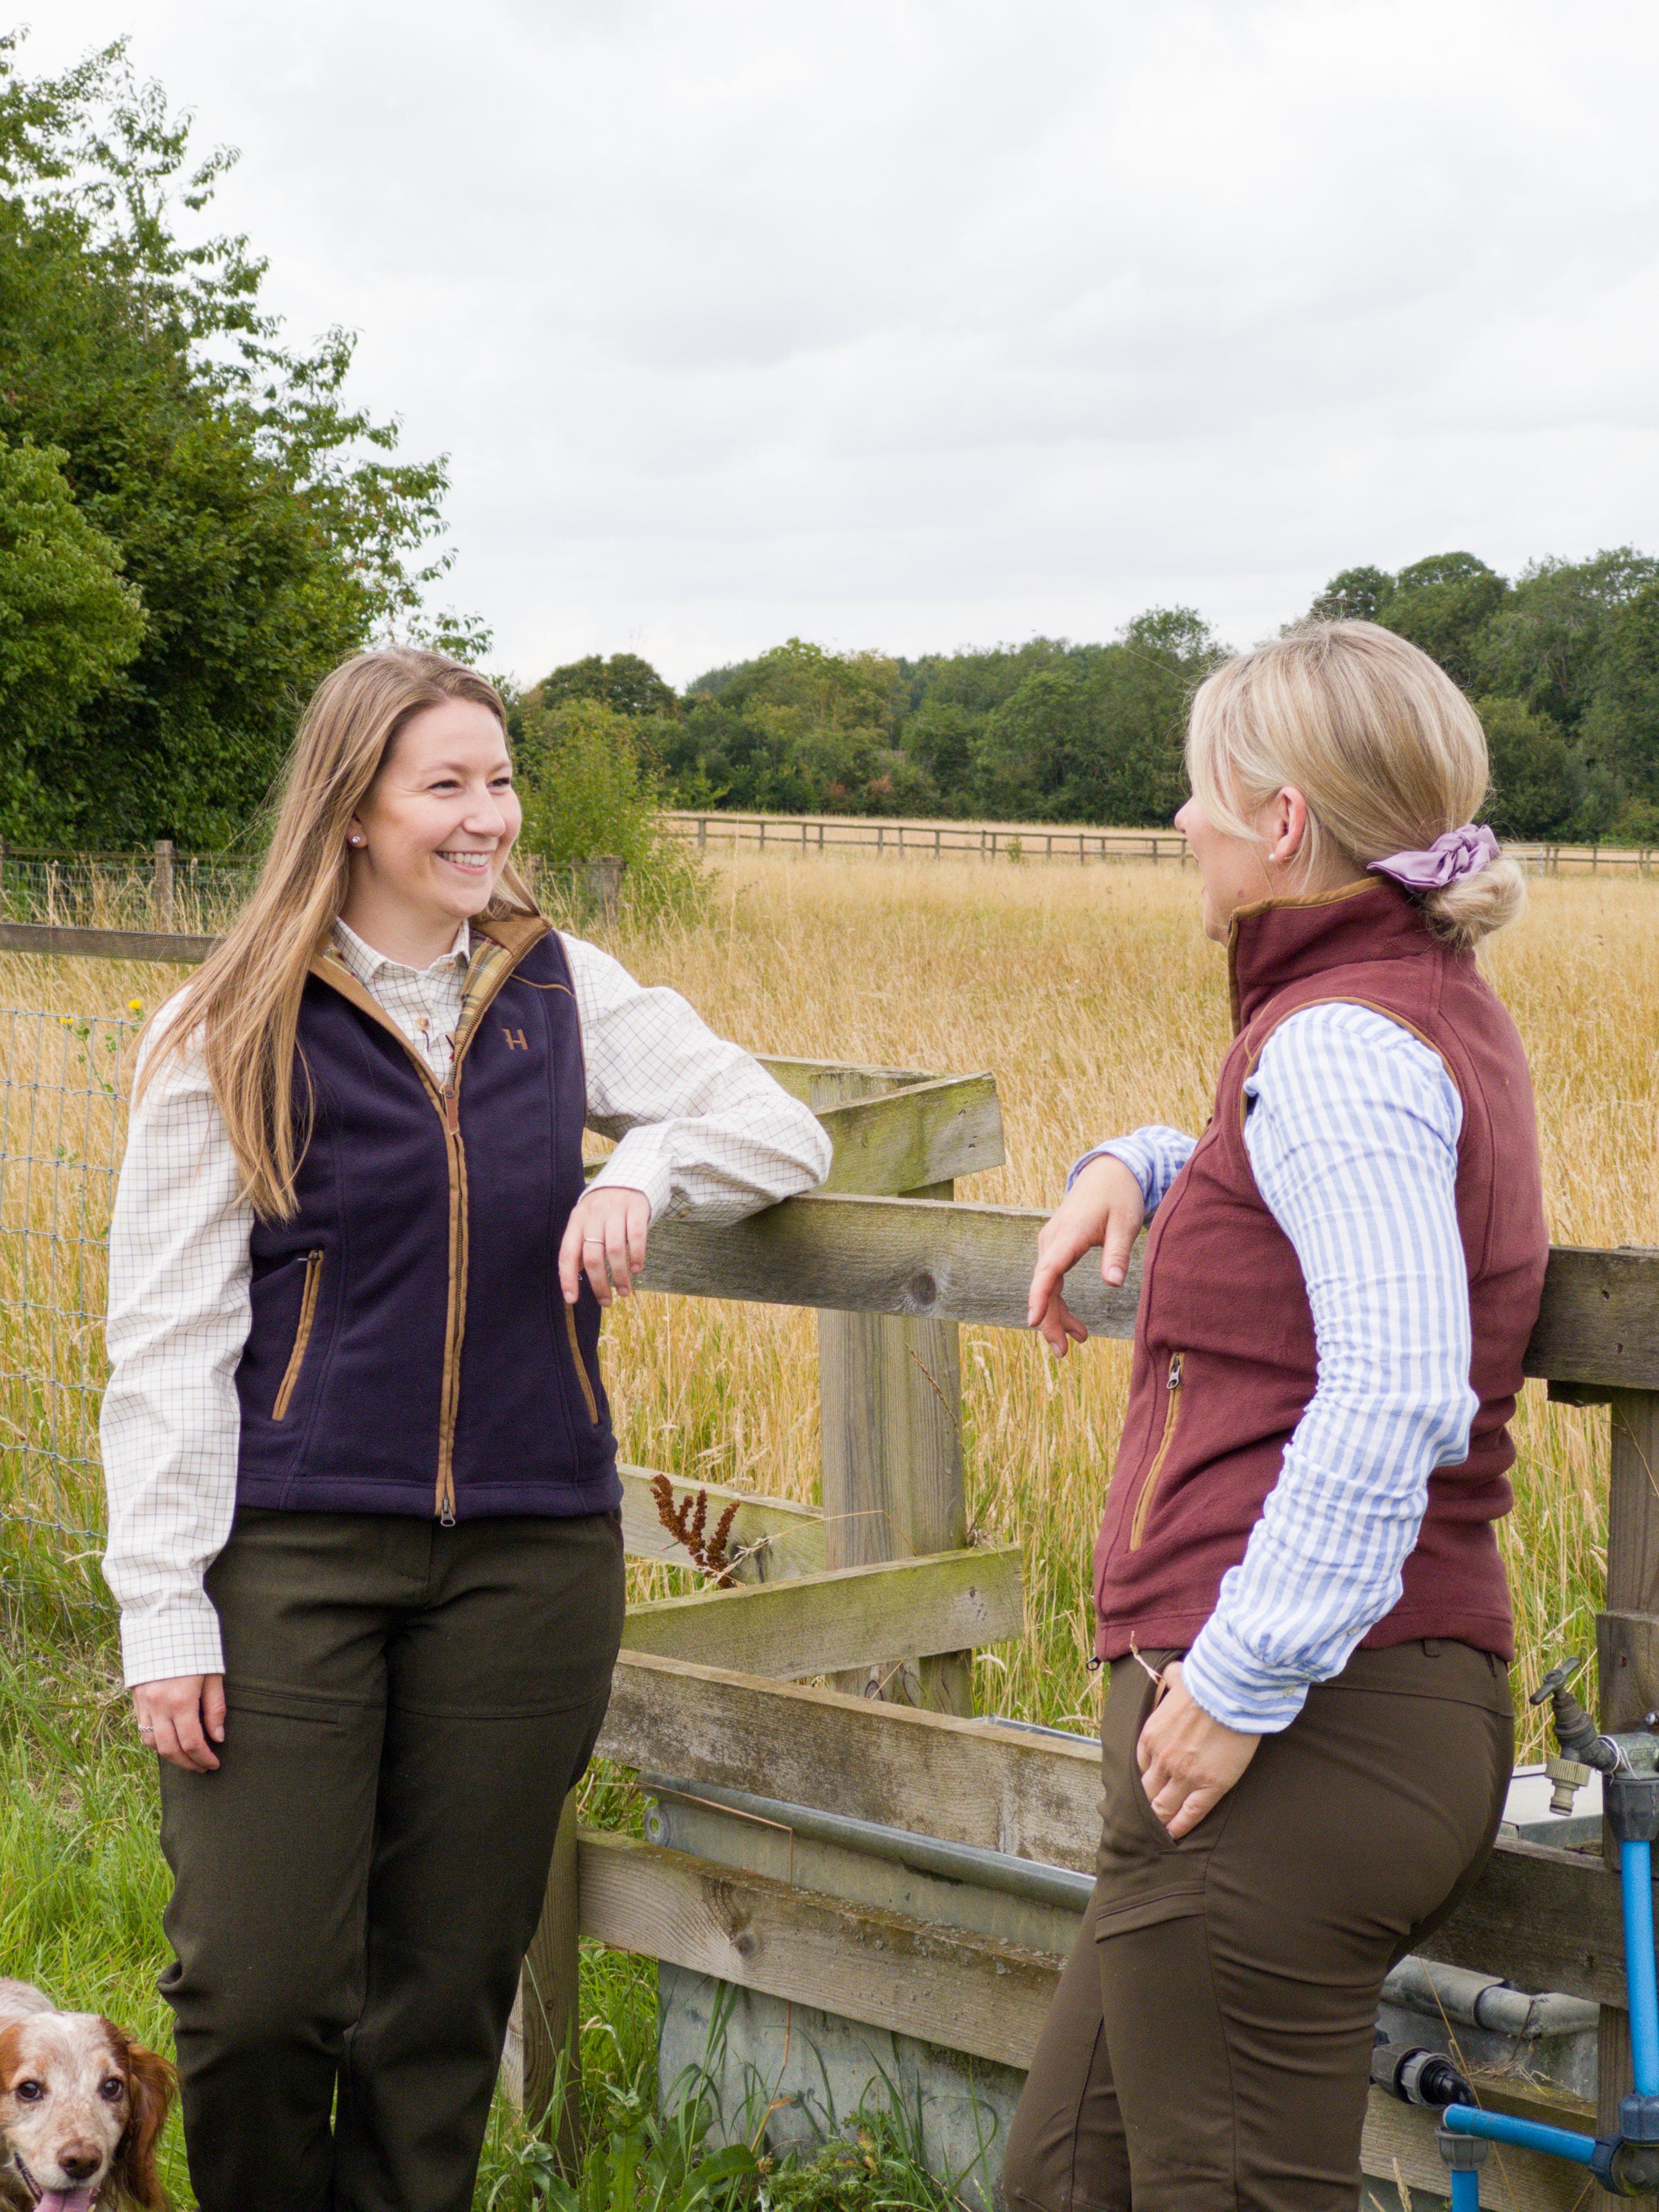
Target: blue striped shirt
1352	1134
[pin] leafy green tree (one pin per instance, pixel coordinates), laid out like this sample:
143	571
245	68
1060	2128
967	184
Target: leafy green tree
1537	778
800	729
626	683
67	625
1444	604
1621	725
589	787
1140	692
1545	644
1031	747
257	515
1353	595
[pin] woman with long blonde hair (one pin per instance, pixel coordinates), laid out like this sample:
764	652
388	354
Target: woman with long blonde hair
1307	1738
364	1509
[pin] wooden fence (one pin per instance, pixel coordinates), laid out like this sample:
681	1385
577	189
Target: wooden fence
880	1592
815	835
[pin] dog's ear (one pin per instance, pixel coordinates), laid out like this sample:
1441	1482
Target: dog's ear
9	2039
150	2084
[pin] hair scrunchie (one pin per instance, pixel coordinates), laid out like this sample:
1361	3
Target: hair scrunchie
1460	853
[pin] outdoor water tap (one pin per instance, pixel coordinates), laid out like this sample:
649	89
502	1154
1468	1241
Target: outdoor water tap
1583	1748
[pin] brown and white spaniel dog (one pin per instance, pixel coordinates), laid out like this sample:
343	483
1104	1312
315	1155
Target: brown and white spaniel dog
80	2106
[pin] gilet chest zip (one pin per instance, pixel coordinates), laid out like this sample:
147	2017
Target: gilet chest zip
446	1097
1172	1415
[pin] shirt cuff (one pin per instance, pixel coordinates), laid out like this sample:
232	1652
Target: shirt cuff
1233	1686
1136	1156
174	1637
633	1170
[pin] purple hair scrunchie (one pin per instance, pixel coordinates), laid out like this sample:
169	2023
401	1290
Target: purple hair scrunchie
1460	853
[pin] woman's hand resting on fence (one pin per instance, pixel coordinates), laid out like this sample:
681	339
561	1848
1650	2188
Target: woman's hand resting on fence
1104	1207
1189	1762
604	1239
182	1718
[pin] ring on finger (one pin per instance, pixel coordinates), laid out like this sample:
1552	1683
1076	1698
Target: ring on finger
146	1731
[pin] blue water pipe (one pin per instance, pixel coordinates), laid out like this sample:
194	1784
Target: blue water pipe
1524	2134
1635	1876
1465	2190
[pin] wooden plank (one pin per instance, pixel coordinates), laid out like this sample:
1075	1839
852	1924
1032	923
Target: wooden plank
1547	1919
815	1624
63	943
550	2001
967	1992
799	1077
1599	1322
897	1255
776	1537
964	1780
925	1133
1600	1319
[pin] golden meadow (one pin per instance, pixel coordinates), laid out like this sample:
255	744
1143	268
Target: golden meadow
1094	1001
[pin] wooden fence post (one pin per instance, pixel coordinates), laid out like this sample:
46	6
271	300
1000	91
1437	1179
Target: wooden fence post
891	1421
1627	1650
549	2004
164	882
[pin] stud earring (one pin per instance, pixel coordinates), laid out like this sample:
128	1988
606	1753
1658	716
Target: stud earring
354	839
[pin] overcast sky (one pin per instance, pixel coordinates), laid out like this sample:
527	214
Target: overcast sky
925	323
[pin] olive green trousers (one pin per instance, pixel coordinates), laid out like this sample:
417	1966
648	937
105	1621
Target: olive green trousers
355	1888
1208	2049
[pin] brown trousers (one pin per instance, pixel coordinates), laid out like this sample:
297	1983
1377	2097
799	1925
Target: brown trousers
355	1889
1209	2044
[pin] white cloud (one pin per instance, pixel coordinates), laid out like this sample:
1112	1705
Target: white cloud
935	321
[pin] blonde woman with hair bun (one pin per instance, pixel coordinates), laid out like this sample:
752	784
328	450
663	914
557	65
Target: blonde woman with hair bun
364	1523
1307	1739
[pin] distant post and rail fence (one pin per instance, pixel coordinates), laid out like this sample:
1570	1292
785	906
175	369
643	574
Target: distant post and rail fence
820	835
866	1859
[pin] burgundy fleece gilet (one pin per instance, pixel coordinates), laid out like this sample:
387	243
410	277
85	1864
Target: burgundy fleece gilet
1222	1292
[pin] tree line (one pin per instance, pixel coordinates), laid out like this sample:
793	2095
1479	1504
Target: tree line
1561	663
196	523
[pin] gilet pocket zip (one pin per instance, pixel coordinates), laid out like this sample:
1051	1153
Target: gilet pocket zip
1172	1415
296	1359
580	1365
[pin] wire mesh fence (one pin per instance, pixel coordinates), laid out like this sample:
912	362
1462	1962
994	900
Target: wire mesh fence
197	894
62	1127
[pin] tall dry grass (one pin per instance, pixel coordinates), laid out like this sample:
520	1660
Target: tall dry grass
1098	1006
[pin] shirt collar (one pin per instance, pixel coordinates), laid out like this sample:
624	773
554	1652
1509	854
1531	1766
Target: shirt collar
366	964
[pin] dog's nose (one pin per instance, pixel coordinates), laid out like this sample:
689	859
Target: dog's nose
80	2163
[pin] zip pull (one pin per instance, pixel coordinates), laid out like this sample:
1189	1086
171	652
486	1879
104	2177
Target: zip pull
452	1108
1174	1383
446	1518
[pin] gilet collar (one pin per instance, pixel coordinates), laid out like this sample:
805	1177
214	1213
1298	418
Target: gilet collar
1283	941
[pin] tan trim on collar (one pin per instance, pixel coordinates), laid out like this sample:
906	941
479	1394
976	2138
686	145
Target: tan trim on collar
1300	899
517	931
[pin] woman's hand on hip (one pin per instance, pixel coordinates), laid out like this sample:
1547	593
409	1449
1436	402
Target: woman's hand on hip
604	1240
182	1718
1104	1207
1189	1762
